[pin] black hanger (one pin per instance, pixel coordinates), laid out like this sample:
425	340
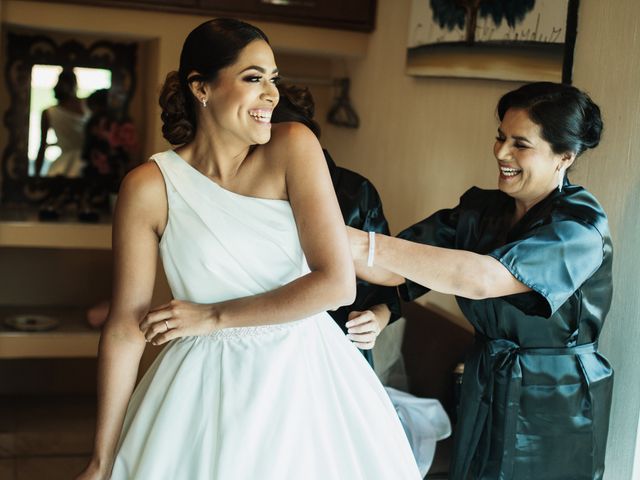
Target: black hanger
342	113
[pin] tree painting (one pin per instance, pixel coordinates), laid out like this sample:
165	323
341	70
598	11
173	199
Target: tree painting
464	14
514	40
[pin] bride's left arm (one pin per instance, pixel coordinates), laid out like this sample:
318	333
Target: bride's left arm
329	285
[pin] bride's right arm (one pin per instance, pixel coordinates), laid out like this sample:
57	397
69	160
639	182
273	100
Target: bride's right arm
139	213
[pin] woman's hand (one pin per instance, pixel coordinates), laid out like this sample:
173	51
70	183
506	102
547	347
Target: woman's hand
364	327
178	319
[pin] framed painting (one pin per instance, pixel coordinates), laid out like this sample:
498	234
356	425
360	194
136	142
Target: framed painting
517	40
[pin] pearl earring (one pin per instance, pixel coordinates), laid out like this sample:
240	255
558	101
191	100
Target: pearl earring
560	179
204	103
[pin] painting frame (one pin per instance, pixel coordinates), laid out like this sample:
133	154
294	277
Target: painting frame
507	60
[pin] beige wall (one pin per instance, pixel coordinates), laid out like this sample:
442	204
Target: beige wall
424	141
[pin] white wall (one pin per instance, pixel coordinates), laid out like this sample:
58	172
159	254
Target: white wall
608	66
636	461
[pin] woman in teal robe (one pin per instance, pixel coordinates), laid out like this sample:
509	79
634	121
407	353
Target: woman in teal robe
530	265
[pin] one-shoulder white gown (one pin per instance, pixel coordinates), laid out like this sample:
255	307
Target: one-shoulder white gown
292	401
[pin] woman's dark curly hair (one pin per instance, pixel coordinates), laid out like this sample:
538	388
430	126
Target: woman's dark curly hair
295	105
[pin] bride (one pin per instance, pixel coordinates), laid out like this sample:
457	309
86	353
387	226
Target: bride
256	380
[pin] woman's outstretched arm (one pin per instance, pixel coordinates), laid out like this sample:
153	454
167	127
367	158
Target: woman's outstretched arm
446	270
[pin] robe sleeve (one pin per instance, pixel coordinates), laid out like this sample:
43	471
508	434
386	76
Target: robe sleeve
554	260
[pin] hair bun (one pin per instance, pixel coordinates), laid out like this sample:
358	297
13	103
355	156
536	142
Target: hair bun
592	125
178	126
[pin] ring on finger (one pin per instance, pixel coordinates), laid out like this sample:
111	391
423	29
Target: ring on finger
166	324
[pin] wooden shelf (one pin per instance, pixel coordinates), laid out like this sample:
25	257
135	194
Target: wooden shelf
28	231
72	338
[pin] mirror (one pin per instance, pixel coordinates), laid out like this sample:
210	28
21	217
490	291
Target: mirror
63	100
68	117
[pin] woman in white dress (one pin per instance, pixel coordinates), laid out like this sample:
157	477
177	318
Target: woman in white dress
256	380
67	119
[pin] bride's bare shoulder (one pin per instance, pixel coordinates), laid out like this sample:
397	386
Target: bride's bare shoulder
143	181
291	141
291	134
143	196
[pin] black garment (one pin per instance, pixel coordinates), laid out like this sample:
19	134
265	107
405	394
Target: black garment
536	393
361	208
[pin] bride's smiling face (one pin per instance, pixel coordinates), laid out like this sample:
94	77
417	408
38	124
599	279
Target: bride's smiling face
244	94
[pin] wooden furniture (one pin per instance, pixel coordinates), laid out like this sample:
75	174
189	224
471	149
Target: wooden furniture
432	347
30	232
356	15
53	246
72	339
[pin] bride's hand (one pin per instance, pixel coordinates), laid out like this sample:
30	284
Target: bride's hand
177	319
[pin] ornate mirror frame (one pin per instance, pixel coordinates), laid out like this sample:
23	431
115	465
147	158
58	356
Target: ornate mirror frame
26	50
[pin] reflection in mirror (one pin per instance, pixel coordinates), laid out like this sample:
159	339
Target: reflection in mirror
71	138
59	110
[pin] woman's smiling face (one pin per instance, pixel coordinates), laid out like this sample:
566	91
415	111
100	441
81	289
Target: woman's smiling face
244	94
528	168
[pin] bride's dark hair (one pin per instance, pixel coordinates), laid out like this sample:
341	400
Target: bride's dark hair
210	47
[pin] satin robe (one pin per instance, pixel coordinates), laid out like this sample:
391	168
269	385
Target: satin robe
361	208
536	393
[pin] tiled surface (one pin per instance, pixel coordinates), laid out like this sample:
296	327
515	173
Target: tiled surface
440	464
7	414
49	468
7	429
7	445
7	470
45	437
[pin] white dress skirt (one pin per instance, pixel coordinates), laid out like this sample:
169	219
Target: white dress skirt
287	401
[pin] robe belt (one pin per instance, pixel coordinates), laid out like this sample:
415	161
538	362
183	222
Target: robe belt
498	360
